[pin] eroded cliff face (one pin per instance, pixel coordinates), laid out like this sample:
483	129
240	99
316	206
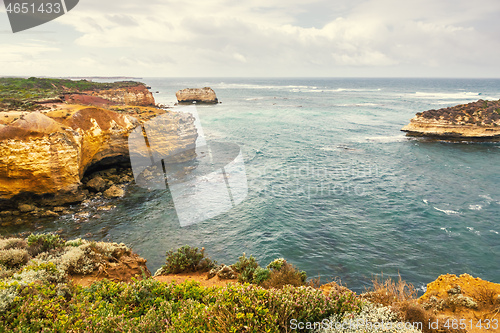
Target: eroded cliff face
136	96
40	155
48	153
424	127
477	120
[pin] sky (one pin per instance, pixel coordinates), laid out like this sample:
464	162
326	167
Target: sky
260	38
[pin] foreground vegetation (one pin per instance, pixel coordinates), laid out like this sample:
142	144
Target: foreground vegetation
37	294
151	306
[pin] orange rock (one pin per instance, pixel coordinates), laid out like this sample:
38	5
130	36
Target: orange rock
138	95
469	286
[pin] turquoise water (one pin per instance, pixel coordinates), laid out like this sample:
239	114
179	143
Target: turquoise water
333	185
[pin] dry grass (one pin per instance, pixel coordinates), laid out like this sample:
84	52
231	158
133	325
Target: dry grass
489	300
314	282
402	298
389	292
487	297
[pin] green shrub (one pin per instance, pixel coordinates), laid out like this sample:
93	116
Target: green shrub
152	306
246	267
74	242
241	308
44	242
186	259
260	275
248	308
41	272
276	264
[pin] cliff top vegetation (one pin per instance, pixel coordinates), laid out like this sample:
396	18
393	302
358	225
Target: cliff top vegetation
19	93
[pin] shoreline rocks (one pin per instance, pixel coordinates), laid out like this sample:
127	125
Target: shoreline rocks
474	121
199	95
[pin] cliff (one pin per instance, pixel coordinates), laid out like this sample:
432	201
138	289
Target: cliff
44	154
137	96
477	120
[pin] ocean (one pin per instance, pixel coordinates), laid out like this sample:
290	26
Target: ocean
334	186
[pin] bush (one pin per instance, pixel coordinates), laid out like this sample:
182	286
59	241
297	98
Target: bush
12	258
248	308
186	259
276	264
390	292
77	260
152	306
74	242
12	243
402	298
369	320
39	272
260	275
39	243
246	267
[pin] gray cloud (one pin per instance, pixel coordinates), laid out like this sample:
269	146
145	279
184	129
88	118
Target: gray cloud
278	38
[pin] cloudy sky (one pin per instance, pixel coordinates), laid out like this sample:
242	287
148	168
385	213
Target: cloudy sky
336	38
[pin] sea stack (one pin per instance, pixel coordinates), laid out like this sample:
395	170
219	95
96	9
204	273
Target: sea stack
476	120
45	153
199	95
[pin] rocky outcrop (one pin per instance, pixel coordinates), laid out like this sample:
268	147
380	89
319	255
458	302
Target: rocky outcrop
462	298
138	95
199	95
40	155
49	158
478	120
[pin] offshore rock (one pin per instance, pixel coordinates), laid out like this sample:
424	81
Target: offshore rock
199	95
477	120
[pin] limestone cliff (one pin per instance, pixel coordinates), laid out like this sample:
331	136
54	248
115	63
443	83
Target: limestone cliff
138	95
199	95
40	155
477	120
45	154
